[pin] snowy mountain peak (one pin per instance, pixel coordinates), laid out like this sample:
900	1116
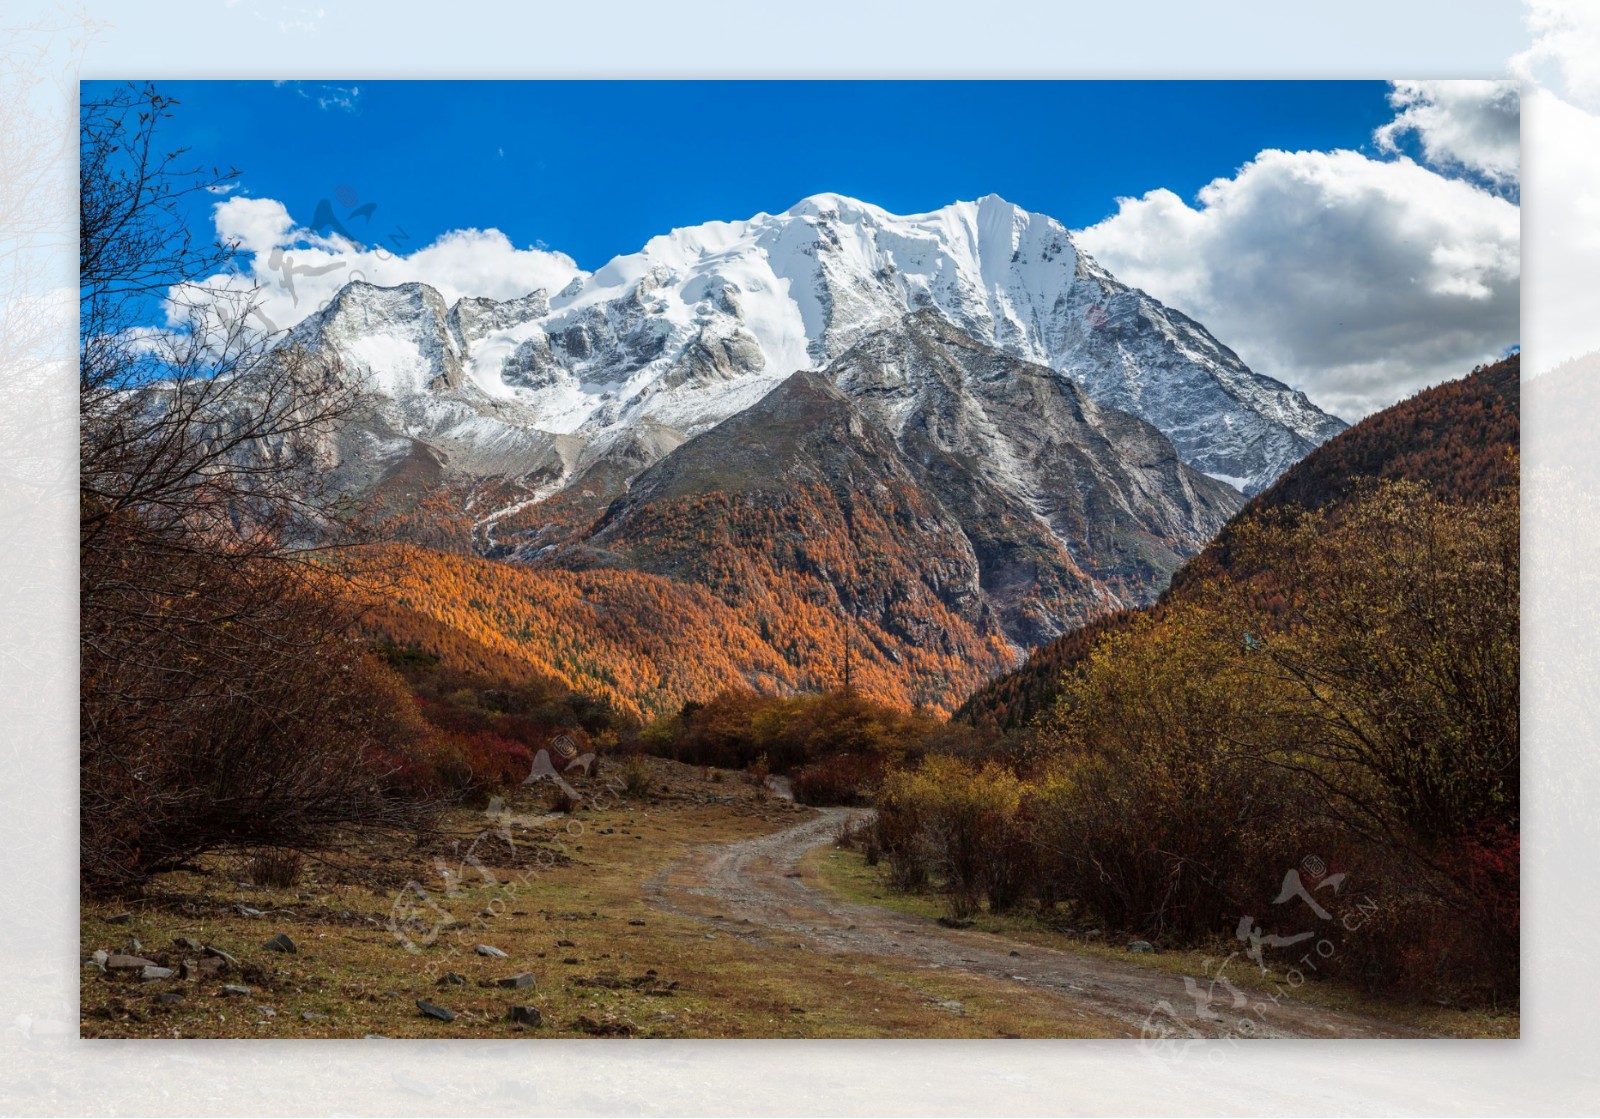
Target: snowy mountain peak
705	320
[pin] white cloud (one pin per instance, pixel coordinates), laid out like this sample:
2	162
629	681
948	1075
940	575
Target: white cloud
1357	280
1565	55
338	97
1562	181
1471	126
297	271
256	225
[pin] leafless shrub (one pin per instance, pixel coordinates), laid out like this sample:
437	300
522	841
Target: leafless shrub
277	867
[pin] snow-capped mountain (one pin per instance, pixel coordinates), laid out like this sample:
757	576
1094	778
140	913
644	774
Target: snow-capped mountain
703	322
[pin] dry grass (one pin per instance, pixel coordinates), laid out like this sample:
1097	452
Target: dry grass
846	874
628	969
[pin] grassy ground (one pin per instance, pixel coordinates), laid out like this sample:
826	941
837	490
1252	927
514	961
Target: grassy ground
845	874
606	963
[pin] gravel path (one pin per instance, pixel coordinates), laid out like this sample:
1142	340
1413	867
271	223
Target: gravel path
754	889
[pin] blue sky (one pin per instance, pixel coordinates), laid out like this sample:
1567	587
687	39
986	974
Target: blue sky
1357	240
595	169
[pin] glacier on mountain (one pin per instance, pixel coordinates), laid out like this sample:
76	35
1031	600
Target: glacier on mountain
704	321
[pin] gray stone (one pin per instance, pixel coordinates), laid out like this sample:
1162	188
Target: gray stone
153	971
451	979
519	981
169	998
248	911
188	943
238	989
312	1016
281	943
439	1012
213	950
489	950
121	961
1140	946
526	1016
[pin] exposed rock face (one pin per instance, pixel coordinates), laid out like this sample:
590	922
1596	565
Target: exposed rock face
704	321
1019	504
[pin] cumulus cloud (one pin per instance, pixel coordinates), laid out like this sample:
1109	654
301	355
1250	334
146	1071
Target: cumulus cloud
1565	54
254	225
296	270
1357	280
1463	126
1562	181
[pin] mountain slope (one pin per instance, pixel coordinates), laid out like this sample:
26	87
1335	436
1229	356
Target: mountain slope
1461	438
704	321
803	517
1018	502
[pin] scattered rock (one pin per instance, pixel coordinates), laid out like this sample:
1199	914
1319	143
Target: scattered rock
1014	952
952	1006
565	944
439	1012
451	979
1140	946
636	923
374	1037
526	1016
99	958
119	918
312	1016
121	961
954	923
281	943
238	989
248	911
489	950
1093	934
169	998
520	981
210	965
570	960
213	950
153	971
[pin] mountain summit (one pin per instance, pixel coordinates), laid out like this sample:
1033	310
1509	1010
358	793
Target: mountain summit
705	321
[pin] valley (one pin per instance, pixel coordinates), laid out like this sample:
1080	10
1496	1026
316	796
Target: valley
707	907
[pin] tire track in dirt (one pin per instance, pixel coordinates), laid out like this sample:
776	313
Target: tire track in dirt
751	888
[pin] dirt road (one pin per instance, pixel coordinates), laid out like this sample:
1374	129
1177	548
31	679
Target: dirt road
752	889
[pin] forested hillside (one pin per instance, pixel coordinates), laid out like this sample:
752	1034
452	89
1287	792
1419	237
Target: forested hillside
1460	438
